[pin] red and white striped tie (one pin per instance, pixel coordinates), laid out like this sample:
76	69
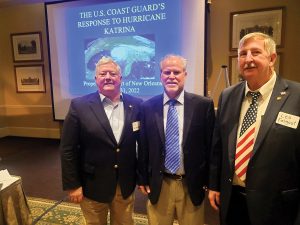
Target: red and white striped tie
245	141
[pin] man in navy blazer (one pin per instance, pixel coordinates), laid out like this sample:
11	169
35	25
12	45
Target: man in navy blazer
267	190
179	193
98	149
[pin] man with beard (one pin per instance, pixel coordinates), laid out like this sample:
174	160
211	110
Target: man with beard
176	133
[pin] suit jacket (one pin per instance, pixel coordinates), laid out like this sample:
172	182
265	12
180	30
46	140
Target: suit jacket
273	175
197	132
90	152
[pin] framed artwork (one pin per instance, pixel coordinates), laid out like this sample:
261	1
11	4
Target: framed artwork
268	21
234	75
27	47
30	78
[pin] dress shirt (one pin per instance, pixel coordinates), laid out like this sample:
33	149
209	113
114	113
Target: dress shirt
180	110
263	101
115	114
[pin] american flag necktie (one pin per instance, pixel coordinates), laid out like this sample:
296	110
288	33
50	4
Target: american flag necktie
245	141
172	160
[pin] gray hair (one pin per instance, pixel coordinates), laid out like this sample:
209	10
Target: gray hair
269	43
106	60
182	59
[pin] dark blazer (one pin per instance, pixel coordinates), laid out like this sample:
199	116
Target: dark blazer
273	175
90	152
197	132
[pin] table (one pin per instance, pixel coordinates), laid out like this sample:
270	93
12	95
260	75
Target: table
14	209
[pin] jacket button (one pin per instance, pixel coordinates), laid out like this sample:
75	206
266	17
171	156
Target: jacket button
116	166
229	180
117	150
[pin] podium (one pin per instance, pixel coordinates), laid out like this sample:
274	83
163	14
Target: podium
14	209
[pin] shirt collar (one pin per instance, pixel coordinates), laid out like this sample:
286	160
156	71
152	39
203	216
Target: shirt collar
103	98
179	98
266	89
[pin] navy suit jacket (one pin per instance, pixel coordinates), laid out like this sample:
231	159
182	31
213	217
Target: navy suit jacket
273	175
90	152
197	132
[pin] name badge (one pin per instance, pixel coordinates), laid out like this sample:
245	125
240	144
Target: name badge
287	120
136	126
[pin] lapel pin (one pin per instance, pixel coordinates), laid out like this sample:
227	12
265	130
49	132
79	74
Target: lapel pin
278	98
283	93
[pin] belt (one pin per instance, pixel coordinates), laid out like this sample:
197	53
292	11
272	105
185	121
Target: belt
174	176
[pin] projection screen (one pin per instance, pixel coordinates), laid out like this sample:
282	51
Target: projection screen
137	34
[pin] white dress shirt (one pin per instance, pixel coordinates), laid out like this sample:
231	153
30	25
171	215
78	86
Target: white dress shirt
263	101
115	114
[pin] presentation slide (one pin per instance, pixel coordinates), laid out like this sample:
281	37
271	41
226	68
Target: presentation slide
136	34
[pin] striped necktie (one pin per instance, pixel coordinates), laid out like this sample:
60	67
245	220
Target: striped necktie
172	160
245	141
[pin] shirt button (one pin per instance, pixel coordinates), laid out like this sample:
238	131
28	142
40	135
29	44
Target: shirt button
117	150
116	166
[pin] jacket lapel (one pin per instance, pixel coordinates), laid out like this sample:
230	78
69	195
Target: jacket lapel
234	114
158	109
98	109
128	109
188	114
278	97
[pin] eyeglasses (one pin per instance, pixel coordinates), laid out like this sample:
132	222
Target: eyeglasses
110	73
169	72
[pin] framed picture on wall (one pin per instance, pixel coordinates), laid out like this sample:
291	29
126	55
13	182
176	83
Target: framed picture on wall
268	21
235	76
27	47
30	78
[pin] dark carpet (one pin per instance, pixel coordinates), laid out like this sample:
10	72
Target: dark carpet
37	162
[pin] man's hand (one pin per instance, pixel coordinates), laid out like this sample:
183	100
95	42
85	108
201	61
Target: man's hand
75	195
144	189
214	199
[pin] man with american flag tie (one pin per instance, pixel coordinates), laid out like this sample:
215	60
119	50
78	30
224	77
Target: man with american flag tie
255	161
